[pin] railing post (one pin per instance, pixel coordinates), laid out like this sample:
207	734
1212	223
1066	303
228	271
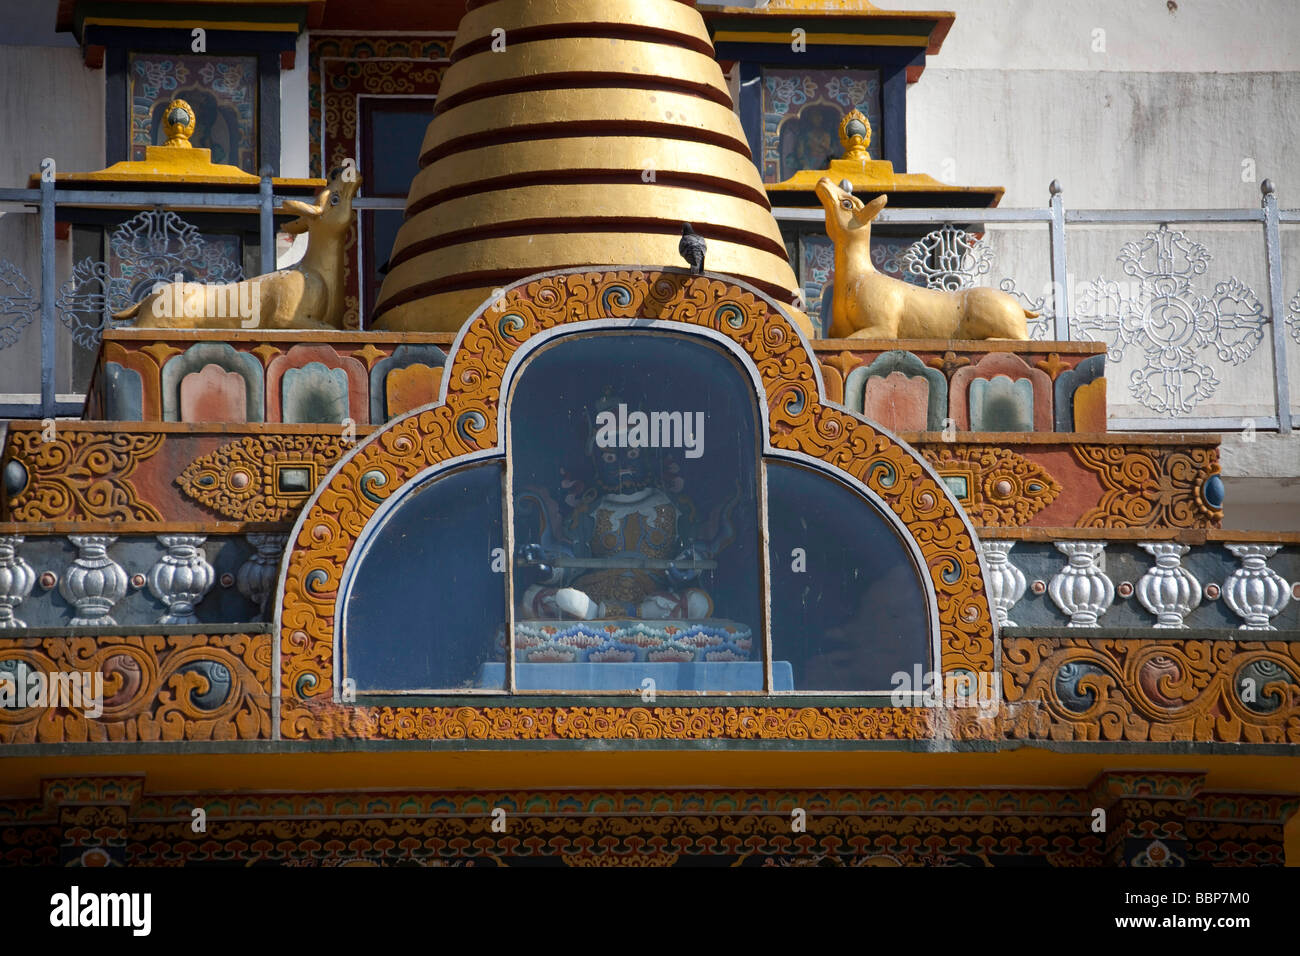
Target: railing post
48	328
1277	305
266	221
1060	268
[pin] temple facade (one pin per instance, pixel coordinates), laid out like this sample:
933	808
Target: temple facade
608	450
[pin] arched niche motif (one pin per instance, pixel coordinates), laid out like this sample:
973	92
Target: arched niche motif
469	424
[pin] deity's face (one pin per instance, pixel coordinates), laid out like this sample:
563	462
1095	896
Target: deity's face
624	470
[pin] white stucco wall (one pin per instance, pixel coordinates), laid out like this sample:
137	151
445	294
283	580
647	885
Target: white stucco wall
295	141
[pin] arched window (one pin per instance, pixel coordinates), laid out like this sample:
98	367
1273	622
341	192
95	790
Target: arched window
848	607
426	602
633	462
654	547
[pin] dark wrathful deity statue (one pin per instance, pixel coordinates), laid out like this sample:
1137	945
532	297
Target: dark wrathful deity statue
625	548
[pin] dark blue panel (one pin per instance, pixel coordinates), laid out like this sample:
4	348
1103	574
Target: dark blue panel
751	109
123	394
426	608
849	609
401	134
893	135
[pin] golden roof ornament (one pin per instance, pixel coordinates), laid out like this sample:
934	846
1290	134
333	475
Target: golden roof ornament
855	135
864	174
178	124
177	160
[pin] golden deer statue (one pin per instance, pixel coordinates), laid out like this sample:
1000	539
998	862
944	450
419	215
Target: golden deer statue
306	295
868	305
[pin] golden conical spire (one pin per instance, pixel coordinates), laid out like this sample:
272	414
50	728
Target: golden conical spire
572	133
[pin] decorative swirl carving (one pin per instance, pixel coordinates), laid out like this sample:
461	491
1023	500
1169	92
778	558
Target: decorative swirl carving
80	475
470	423
1150	486
155	687
510	324
373	479
1143	690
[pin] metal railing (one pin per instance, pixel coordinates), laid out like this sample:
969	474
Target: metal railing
1068	322
1063	320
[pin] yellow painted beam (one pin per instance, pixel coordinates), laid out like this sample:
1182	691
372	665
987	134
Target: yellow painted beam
191	24
833	39
470	769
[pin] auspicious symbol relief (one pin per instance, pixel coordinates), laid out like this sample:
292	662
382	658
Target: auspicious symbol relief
1169	327
1003	489
18	303
262	478
952	259
154	246
949	259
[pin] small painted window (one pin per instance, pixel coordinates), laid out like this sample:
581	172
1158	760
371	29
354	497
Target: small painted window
802	110
221	89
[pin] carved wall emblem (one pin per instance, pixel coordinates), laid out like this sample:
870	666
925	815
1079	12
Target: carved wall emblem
263	478
997	487
1156	486
82	474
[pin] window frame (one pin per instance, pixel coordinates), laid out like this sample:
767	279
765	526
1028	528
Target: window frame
367	104
764	453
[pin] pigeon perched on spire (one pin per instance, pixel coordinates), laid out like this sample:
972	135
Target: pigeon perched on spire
692	248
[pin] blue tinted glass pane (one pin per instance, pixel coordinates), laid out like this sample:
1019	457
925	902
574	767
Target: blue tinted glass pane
635	517
397	137
426	609
848	607
387	223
